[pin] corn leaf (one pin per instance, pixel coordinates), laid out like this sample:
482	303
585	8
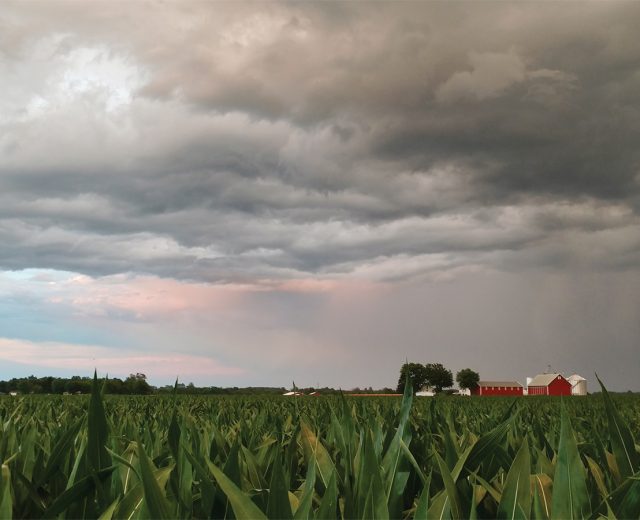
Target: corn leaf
422	506
570	499
304	511
486	448
243	506
450	488
314	450
82	489
516	495
622	441
440	507
6	504
391	459
132	502
329	504
59	452
541	484
278	505
98	430
207	487
154	498
107	514
598	477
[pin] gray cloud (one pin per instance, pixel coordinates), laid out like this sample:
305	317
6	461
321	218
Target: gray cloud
279	140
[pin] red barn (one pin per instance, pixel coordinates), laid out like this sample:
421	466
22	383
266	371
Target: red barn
498	388
549	384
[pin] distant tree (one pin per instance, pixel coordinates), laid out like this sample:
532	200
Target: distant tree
467	379
137	384
78	384
437	376
24	386
417	375
115	386
46	384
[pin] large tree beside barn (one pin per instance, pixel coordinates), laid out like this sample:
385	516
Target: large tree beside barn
433	375
417	375
467	379
438	376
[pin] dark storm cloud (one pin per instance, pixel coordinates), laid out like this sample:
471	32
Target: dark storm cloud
255	141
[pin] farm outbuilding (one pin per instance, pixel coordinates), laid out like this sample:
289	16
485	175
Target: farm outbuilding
497	388
578	384
549	384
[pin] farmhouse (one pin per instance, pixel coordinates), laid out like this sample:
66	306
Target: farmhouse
549	384
497	388
426	391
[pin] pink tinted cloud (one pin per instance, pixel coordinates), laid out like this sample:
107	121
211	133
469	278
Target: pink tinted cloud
146	297
118	362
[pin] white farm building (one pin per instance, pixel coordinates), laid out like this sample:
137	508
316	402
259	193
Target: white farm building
578	384
426	391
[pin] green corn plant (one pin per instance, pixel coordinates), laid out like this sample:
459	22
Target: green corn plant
179	456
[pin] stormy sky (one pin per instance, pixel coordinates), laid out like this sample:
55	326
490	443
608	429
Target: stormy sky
260	193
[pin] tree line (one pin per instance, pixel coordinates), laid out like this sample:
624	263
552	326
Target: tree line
435	376
137	384
134	384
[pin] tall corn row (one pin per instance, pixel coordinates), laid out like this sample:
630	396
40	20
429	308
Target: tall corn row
332	457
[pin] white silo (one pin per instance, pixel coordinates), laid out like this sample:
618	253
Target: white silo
578	384
526	387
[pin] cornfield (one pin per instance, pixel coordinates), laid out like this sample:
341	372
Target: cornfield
318	457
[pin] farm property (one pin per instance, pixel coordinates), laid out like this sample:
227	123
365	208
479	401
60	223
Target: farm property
322	457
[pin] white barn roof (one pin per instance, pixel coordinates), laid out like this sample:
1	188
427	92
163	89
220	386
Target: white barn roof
510	384
575	377
543	379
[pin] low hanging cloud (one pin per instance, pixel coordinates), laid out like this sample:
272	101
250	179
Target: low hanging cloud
122	153
491	74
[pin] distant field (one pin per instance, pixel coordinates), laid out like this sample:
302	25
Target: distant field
319	457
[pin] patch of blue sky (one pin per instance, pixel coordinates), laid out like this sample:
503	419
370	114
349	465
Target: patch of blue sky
11	370
38	275
30	319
